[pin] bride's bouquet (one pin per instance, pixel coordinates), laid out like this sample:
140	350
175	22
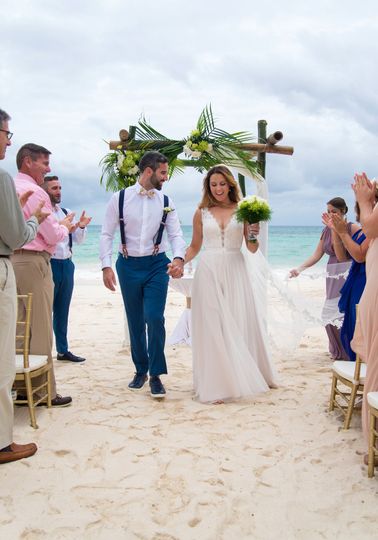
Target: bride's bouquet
253	209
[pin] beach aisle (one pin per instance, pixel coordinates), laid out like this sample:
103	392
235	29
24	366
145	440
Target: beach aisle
118	465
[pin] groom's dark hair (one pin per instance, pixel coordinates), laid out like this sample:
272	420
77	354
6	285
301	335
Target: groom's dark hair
152	160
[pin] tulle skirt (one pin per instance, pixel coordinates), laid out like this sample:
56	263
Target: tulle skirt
230	351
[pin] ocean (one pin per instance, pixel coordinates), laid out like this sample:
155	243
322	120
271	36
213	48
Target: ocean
288	246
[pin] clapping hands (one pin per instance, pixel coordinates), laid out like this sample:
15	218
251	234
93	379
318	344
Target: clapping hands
84	220
38	212
335	222
25	197
364	189
67	222
82	223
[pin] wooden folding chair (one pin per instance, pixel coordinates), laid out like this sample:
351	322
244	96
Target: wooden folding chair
372	399
29	366
351	375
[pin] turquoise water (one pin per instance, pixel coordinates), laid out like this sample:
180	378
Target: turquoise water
288	246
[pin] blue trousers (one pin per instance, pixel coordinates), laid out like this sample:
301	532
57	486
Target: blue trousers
144	286
63	276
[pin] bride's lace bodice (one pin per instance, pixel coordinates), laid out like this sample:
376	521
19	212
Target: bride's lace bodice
214	237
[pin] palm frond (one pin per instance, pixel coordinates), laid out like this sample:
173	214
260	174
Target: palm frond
147	133
206	122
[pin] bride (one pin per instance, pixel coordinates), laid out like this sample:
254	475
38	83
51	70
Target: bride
230	357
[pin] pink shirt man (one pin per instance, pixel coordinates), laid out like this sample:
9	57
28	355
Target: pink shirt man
50	232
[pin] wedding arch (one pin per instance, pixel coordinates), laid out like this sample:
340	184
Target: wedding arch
205	147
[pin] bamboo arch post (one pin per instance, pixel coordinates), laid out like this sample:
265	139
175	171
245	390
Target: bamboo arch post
267	148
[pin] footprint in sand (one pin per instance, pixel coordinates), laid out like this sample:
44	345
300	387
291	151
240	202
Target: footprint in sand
194	522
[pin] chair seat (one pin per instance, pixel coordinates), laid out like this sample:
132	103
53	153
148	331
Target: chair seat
345	369
372	398
35	362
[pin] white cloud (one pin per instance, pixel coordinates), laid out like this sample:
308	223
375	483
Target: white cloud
74	73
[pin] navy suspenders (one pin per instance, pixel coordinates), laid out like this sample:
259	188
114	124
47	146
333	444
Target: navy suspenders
65	212
159	235
122	222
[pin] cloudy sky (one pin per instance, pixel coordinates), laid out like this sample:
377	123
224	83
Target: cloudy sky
74	73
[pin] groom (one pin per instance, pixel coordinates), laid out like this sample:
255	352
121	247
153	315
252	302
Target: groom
141	213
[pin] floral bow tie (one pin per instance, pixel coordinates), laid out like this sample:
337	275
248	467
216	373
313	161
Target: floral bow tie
150	193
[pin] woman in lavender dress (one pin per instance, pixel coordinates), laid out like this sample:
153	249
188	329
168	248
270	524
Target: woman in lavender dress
337	268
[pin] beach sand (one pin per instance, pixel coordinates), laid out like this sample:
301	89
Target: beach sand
118	465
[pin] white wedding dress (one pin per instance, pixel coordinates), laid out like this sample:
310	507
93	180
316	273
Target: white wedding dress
229	343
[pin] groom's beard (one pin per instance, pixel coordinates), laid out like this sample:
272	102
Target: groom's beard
155	182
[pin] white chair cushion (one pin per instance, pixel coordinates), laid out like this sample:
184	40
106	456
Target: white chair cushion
346	370
35	362
372	398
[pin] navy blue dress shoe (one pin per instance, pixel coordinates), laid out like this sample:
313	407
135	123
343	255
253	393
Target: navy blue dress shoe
138	381
157	388
69	357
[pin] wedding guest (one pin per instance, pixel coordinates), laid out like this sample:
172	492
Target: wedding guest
365	340
338	263
350	293
229	343
14	233
63	269
32	263
142	264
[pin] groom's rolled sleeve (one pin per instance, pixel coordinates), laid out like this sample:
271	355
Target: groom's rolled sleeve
107	232
174	233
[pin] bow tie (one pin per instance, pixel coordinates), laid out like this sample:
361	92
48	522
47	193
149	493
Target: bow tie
150	193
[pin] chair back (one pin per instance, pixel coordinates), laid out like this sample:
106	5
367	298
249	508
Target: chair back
23	326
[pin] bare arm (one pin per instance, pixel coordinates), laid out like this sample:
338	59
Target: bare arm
364	190
357	251
197	237
315	257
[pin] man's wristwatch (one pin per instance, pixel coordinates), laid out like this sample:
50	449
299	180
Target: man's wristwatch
179	258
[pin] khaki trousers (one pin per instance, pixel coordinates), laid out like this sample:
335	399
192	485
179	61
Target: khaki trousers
33	275
8	312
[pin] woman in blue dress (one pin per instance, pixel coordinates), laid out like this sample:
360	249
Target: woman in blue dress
357	245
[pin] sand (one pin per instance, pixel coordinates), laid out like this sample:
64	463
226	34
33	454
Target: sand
118	465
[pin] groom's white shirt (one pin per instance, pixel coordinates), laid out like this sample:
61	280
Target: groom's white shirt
142	217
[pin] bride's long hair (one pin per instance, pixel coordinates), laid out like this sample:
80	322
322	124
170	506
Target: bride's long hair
207	199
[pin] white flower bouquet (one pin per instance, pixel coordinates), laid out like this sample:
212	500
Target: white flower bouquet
253	209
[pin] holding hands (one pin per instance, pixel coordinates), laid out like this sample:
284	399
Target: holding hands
176	268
